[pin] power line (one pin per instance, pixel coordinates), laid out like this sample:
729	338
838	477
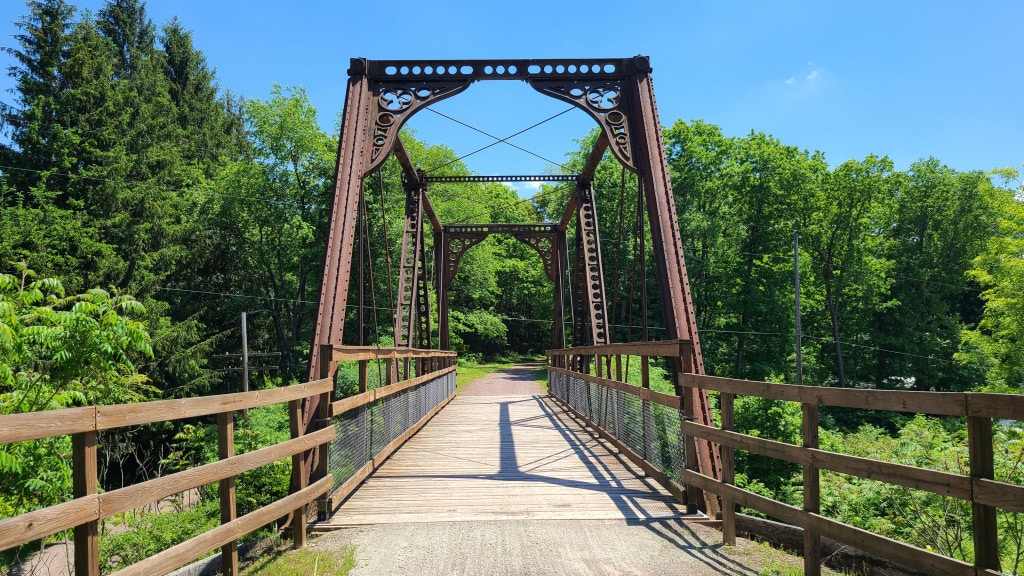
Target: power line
501	140
165	188
504	140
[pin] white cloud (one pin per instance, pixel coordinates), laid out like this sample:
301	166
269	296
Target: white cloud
812	76
790	80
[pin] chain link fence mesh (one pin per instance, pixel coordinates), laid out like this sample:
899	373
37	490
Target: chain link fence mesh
649	429
362	433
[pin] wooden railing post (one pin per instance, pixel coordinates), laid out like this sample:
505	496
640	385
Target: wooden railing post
228	510
982	464
812	491
689	445
323	462
299	478
728	469
363	364
84	483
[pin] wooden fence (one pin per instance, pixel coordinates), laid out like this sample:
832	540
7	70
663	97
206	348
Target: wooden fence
83	513
979	488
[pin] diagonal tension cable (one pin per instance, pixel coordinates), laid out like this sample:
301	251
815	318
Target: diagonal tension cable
497	141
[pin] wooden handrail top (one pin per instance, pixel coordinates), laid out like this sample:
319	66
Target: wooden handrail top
669	400
1006	406
666	348
49	423
349	353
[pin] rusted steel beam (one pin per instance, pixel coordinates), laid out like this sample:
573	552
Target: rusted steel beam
422	292
503	69
586	176
561	269
520	178
512	229
673	284
593	279
341	227
409	267
409	171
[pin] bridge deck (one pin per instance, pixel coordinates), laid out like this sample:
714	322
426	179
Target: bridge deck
501	458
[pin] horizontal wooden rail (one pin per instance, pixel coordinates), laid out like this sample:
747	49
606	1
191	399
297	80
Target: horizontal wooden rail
644	393
41	523
88	507
339	407
979	488
131	497
181	554
880	546
942	483
47	424
935	403
167	410
349	353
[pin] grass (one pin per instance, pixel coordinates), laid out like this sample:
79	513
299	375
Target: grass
304	562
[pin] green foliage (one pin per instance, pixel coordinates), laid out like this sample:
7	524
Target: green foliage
772	420
994	348
60	351
477	331
147	534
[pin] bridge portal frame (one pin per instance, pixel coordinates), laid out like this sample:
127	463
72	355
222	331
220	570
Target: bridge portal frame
617	93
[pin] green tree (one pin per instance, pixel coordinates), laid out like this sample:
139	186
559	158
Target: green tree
838	230
994	346
59	351
940	222
272	215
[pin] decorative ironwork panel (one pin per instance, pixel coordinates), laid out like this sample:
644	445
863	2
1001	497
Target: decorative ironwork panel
603	99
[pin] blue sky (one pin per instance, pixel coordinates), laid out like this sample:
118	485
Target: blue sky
907	79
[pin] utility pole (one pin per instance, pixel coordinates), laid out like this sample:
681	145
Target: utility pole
796	286
245	358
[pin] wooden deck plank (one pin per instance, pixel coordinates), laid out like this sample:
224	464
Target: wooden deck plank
504	458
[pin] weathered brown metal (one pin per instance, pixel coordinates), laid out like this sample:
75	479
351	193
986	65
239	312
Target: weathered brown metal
496	178
617	93
409	265
592	279
673	284
456	239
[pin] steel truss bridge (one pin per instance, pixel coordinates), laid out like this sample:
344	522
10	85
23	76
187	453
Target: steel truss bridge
340	443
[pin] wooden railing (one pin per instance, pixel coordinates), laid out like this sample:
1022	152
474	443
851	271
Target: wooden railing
401	371
979	488
83	513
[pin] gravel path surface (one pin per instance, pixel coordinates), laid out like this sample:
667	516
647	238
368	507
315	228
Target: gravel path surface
521	379
545	547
